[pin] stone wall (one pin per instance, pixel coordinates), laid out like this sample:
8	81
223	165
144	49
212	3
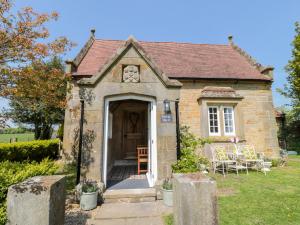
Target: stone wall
254	113
111	85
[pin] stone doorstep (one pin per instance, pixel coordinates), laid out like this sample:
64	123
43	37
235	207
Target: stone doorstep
128	221
142	210
130	195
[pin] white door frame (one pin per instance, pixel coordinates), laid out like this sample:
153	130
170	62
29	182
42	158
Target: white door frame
153	148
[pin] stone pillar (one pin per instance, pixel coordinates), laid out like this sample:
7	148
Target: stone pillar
37	201
195	200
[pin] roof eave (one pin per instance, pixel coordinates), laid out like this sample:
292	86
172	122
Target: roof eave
221	79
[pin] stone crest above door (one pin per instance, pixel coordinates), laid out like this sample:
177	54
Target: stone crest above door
131	74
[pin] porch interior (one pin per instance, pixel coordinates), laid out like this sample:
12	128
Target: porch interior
128	128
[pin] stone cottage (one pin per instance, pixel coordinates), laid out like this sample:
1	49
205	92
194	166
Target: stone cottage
138	93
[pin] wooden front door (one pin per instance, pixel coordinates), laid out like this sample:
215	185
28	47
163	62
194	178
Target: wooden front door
134	132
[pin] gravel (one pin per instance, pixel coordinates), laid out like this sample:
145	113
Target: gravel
75	216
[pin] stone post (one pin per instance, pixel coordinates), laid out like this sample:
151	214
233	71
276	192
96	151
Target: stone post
195	200
37	201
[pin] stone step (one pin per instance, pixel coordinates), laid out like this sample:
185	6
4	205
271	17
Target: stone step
157	220
130	195
130	213
125	162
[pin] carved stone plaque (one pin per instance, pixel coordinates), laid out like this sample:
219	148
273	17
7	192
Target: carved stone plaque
131	74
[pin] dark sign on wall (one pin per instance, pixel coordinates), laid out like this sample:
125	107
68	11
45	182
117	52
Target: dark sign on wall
166	118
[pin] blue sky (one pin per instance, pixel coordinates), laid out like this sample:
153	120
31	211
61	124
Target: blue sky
264	29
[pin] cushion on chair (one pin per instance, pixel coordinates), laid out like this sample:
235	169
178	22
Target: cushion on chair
249	152
221	153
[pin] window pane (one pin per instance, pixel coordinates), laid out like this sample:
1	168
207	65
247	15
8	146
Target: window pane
228	120
213	120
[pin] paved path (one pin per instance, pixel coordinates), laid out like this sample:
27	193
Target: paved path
145	213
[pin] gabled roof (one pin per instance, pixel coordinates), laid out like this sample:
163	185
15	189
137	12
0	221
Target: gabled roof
121	50
177	60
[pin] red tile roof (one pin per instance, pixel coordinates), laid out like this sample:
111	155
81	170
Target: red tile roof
178	60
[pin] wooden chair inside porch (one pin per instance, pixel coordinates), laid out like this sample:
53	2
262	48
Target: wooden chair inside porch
142	157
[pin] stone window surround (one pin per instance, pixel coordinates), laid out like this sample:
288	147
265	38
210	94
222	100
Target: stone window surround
204	103
221	118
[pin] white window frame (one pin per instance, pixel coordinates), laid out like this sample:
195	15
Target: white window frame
233	121
218	118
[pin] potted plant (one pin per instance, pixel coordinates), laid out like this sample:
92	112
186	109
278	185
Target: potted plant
167	190
89	195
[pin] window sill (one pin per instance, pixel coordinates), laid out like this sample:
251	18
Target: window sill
226	139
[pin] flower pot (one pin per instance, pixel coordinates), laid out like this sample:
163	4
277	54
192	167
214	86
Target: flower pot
88	201
267	165
167	197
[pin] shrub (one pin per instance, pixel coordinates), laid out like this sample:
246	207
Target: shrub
18	130
169	219
15	172
189	161
167	184
2	214
30	150
275	162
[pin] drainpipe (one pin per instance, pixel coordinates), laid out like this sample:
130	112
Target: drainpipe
177	128
80	141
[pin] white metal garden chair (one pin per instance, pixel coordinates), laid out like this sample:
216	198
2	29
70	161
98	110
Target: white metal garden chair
236	155
221	160
251	158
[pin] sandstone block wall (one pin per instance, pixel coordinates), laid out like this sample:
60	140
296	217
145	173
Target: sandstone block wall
254	114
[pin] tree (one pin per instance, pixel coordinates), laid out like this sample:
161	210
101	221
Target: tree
31	71
38	96
21	35
292	91
293	69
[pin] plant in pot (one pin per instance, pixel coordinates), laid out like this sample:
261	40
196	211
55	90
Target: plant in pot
88	195
167	190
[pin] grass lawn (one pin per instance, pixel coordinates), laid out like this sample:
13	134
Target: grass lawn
20	137
258	199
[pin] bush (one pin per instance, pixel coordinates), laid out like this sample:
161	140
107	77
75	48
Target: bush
275	162
15	172
30	150
169	219
18	130
2	214
189	161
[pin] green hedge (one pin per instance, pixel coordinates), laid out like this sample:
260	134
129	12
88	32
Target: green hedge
15	172
30	150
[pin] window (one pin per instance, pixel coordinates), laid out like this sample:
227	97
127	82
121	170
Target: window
213	117
217	122
228	121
